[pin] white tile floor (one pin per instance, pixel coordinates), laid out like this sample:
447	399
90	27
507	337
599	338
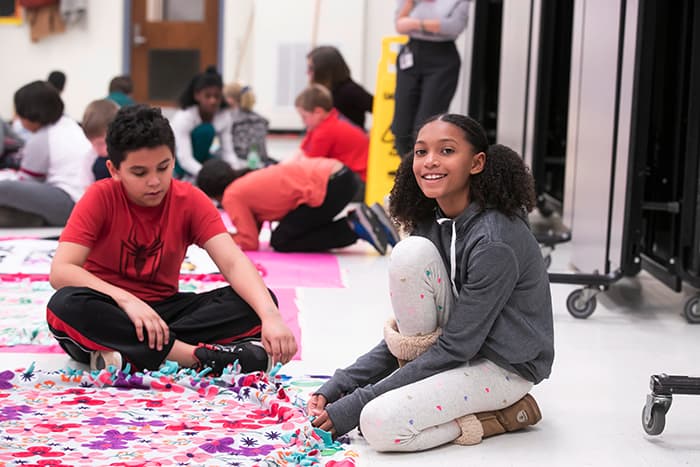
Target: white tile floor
592	403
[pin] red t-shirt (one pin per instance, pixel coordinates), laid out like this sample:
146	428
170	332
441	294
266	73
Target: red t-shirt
338	139
137	248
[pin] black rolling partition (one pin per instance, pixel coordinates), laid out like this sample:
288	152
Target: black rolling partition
552	104
486	56
664	141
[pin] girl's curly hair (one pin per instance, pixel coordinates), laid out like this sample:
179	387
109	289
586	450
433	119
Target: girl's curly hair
505	183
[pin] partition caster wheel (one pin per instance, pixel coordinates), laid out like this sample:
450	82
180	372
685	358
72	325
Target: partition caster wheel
654	414
691	310
580	304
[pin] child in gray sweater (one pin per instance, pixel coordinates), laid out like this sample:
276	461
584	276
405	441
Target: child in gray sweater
473	316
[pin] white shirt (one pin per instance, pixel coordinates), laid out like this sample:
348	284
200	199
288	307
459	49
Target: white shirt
58	155
184	121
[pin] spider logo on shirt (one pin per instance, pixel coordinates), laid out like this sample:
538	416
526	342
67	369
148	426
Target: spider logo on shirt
140	260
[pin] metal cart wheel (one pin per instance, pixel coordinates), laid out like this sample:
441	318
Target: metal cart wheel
691	310
579	305
653	418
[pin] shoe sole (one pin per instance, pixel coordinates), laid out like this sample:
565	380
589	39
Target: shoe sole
364	216
393	236
100	360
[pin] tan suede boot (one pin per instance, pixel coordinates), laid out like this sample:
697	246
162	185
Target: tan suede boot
523	413
407	348
472	430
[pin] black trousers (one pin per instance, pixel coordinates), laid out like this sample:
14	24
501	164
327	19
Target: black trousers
423	90
84	320
307	229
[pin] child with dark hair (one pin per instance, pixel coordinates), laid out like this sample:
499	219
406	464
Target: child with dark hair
118	260
120	90
57	79
54	169
304	195
202	117
97	117
326	66
471	299
329	135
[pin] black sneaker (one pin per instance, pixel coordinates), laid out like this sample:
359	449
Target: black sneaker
366	225
251	356
392	235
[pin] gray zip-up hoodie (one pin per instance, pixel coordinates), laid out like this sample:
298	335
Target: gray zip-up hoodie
503	313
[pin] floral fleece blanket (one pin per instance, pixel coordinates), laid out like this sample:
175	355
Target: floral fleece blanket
171	417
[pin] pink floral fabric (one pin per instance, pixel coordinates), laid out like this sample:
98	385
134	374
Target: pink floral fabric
173	417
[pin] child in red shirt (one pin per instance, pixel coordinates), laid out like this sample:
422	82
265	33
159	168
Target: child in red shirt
117	264
303	196
329	135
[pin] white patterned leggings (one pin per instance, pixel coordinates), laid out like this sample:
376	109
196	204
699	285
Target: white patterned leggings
422	415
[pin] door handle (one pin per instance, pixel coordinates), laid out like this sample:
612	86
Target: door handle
138	38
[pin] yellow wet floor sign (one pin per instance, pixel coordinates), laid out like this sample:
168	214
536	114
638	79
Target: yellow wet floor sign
383	159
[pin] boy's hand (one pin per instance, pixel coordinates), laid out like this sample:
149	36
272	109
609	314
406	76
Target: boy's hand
145	318
316	405
278	340
324	422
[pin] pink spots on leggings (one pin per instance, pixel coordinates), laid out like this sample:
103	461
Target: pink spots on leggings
422	296
397	441
439	279
439	407
487	389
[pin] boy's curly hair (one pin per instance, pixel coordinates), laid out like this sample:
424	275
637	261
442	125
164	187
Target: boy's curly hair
504	184
137	127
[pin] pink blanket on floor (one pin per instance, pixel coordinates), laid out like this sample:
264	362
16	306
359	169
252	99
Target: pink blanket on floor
23	313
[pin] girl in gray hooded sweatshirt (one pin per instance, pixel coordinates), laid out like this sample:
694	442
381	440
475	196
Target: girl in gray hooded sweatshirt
473	315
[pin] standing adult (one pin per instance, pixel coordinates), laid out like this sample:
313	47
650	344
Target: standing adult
428	65
326	66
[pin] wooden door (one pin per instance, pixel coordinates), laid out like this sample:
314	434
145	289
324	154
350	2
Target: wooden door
171	40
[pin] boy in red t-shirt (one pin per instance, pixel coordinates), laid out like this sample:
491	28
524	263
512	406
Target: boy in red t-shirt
328	134
117	265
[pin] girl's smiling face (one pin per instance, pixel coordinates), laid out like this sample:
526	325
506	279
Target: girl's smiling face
443	163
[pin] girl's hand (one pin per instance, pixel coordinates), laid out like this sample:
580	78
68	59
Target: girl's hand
316	404
324	422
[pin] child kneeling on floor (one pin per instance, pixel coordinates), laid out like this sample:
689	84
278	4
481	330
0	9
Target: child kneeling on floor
473	317
117	268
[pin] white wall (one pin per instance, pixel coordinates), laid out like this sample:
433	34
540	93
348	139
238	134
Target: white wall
356	28
90	54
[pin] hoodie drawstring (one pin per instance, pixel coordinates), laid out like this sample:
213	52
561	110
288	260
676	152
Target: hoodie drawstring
453	253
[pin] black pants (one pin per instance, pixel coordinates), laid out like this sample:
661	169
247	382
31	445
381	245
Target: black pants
307	229
84	320
423	90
